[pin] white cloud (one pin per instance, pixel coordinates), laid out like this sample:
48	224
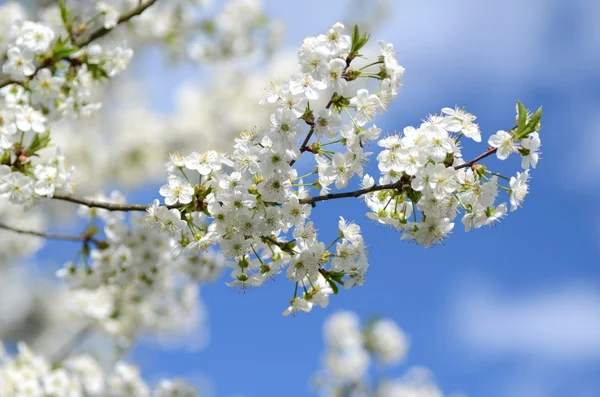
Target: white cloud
557	325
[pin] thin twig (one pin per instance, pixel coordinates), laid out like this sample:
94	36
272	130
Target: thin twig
50	236
100	204
122	19
96	34
395	185
355	193
304	146
489	152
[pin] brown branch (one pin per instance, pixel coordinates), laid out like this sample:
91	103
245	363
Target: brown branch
489	152
100	32
304	146
122	19
355	193
396	185
311	200
85	237
100	204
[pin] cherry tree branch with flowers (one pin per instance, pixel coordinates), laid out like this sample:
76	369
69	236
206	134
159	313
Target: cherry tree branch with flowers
248	210
422	170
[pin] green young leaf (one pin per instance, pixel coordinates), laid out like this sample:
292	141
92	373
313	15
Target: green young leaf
65	15
532	125
38	142
522	116
337	277
358	41
5	159
65	52
355	36
97	71
333	286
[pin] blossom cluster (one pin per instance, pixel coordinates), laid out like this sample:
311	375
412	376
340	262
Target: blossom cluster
126	140
248	210
255	195
29	374
427	167
258	207
53	76
131	282
49	77
34	96
195	30
350	351
252	203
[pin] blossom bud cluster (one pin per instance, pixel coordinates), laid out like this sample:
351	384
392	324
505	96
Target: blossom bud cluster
350	351
29	374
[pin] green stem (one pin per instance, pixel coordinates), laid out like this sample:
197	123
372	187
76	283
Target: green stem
257	256
369	65
185	175
333	242
351	118
331	143
499	175
460	201
304	176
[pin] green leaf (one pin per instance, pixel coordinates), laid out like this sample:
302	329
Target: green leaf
532	125
65	15
38	142
337	277
97	71
355	36
65	52
333	286
5	159
522	116
358	41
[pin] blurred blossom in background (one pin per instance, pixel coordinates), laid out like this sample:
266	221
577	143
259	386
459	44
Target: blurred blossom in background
508	312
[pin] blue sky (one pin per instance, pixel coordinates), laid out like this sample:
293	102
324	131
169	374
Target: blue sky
508	311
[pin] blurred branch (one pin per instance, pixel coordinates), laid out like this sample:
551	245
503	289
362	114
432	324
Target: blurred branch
84	237
96	34
122	19
65	350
